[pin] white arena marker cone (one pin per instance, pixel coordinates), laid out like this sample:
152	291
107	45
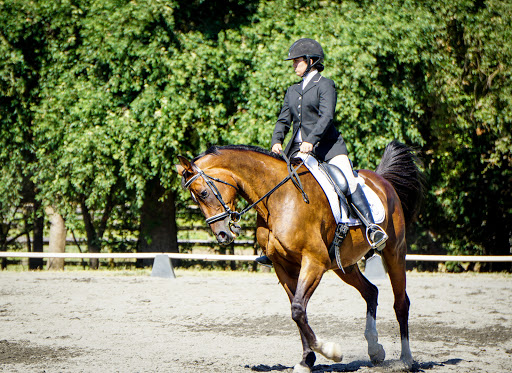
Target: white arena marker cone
374	269
162	267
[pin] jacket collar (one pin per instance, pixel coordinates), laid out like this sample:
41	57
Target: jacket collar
311	84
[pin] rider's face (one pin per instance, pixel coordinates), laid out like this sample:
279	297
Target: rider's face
300	65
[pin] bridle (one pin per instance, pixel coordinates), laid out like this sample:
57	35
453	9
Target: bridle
234	216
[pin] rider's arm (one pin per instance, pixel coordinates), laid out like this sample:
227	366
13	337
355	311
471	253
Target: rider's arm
283	123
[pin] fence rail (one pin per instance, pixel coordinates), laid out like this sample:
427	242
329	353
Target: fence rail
199	242
221	257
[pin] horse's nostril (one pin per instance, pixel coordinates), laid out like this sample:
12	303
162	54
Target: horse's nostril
224	238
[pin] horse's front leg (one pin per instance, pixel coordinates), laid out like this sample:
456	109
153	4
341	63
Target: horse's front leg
310	275
289	284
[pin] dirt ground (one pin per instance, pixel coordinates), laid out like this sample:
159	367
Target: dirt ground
240	322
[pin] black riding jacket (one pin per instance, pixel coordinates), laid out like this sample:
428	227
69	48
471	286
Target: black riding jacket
312	111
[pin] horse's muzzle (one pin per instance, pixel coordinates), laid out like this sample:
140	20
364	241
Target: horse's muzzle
225	237
226	231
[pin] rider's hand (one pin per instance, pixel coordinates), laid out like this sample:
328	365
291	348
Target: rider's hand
277	148
306	147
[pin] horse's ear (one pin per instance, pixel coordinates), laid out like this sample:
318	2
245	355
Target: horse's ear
184	166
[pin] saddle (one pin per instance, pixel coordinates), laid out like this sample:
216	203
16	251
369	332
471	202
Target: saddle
339	183
374	234
354	210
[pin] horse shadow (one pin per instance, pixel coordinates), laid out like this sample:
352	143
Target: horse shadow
354	366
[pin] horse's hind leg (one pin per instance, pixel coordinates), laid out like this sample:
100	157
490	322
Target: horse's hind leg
370	293
396	270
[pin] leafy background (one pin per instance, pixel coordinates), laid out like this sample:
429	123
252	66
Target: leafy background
99	97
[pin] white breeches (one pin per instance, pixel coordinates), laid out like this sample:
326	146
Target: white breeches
343	163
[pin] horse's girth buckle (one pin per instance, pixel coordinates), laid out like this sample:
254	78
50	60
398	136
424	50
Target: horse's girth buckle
339	235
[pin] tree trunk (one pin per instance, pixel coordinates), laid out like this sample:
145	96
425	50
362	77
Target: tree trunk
158	231
95	235
93	244
37	245
4	232
57	239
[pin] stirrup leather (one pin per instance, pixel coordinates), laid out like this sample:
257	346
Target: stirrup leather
378	245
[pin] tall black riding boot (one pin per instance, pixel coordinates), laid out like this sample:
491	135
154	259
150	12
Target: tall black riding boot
264	260
375	234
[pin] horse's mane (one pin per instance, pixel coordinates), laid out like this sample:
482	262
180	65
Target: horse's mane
215	150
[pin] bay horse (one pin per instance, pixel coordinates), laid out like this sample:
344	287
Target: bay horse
296	235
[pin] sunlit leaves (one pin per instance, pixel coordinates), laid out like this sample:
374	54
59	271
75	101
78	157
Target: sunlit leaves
98	97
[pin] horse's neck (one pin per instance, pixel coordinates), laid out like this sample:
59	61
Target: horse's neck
255	174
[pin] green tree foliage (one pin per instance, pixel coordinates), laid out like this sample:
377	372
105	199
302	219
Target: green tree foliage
21	39
468	128
98	98
433	75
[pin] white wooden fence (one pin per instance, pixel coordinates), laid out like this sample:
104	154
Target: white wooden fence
219	257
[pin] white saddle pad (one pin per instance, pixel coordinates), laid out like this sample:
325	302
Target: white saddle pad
374	201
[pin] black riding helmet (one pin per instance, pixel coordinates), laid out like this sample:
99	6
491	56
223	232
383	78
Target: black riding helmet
309	49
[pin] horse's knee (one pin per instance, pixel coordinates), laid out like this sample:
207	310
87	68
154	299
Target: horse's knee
298	312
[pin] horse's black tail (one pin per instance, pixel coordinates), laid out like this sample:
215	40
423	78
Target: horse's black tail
400	166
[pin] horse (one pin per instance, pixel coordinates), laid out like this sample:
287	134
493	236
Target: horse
296	235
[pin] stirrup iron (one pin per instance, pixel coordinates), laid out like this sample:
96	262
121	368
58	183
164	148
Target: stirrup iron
378	245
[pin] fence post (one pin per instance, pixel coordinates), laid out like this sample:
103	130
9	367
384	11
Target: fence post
162	267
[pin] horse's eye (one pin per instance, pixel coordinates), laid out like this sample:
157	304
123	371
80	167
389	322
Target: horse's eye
203	194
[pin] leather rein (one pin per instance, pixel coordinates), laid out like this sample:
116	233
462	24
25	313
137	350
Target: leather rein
234	216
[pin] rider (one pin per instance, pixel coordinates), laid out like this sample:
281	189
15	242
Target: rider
310	105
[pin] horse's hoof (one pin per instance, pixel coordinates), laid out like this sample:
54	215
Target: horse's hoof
299	368
377	357
407	362
330	350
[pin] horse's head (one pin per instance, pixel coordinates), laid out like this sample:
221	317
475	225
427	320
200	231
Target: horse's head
215	196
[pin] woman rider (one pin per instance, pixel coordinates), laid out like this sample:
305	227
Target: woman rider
309	106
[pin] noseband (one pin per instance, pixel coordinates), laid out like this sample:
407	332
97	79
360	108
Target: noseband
235	216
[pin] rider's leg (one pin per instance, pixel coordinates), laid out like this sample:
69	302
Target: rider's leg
264	260
343	163
377	235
